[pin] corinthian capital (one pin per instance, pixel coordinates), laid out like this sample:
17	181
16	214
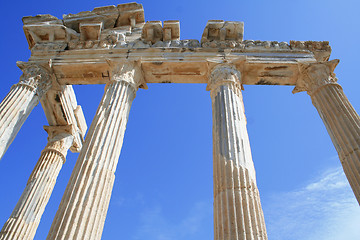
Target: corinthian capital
313	76
37	77
224	74
129	72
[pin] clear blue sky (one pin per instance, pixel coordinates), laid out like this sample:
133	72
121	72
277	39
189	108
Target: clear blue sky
163	187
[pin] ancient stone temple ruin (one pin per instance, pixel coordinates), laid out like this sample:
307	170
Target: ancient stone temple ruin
113	45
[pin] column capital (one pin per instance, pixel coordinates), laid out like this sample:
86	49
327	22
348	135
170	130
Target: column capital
313	76
60	139
35	76
128	71
223	74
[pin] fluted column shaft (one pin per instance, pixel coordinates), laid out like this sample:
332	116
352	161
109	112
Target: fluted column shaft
340	118
83	208
237	208
26	216
19	102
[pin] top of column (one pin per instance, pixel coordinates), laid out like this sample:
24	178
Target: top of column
315	75
224	74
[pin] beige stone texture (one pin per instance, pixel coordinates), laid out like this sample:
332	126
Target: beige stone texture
20	101
237	208
26	216
340	118
61	108
223	30
83	208
113	45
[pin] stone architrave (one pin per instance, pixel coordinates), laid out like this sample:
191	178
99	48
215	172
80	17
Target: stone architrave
237	208
20	101
26	216
340	118
83	208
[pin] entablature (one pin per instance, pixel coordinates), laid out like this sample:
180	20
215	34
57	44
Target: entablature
80	44
178	64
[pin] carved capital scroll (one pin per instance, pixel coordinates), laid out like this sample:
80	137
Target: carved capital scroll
313	76
129	72
60	139
36	77
224	74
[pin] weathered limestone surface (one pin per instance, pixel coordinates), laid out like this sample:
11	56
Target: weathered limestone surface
83	208
104	46
237	209
26	216
61	108
20	101
340	118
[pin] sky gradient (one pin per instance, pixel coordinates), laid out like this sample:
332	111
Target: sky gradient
163	187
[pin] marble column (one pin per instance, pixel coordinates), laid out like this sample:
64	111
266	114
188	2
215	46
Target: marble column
237	208
83	208
26	216
340	118
19	102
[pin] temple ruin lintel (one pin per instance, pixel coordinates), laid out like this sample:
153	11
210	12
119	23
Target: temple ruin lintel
176	65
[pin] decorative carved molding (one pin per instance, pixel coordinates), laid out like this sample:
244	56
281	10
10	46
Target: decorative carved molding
36	77
49	47
129	72
224	74
311	45
60	139
320	49
247	44
313	76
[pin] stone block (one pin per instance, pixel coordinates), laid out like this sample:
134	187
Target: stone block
47	33
130	14
220	31
171	30
80	119
152	31
41	18
106	15
90	31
